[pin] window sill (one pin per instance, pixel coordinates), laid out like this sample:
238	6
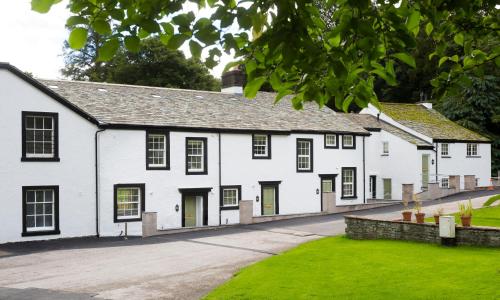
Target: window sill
157	168
384	154
331	147
261	157
305	171
230	207
40	159
128	220
349	198
38	233
196	173
348	147
445	156
473	156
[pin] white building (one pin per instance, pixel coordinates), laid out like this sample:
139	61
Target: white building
456	150
83	159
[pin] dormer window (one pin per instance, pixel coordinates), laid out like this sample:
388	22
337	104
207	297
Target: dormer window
40	136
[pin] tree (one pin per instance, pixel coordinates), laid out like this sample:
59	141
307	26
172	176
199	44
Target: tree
153	65
292	48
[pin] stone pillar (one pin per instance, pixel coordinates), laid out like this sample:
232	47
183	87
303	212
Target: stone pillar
470	182
149	224
434	190
407	192
246	211
329	202
454	182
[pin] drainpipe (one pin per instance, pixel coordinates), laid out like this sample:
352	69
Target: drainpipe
436	155
364	174
97	181
220	182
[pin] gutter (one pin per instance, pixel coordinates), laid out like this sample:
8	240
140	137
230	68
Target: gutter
97	181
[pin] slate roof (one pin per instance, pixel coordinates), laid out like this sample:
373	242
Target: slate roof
118	104
429	122
369	121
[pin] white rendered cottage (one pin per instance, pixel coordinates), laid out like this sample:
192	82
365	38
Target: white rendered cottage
83	159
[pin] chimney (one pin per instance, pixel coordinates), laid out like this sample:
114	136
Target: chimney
233	81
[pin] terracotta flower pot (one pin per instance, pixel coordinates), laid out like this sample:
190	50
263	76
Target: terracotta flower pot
407	216
466	220
420	218
436	219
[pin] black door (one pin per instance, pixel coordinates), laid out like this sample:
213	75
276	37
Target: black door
373	186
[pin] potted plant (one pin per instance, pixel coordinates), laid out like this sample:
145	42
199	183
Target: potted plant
439	212
465	212
419	215
406	212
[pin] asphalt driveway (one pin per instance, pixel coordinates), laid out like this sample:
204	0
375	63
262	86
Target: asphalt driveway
178	266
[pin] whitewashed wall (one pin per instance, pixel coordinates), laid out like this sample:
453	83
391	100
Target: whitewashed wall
459	164
74	174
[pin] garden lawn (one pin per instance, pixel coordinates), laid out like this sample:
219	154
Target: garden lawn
486	216
337	267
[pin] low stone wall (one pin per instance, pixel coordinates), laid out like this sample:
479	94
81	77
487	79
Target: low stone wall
361	228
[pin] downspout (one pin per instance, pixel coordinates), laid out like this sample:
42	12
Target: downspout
364	174
97	181
436	155
220	182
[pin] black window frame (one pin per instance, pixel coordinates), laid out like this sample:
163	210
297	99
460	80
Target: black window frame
336	141
353	142
55	117
56	229
311	165
268	156
222	188
142	188
167	148
355	192
205	156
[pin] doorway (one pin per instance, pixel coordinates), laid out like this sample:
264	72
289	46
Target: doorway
327	190
373	186
194	207
387	188
270	197
425	171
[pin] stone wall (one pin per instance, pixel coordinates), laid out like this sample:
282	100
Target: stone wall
361	228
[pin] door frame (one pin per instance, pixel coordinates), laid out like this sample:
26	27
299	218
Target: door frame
274	184
332	177
202	192
373	184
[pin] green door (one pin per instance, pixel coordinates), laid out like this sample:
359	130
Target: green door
268	200
190	211
425	170
387	188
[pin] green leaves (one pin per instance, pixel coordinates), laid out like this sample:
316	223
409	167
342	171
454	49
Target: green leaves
413	22
429	28
77	38
108	50
406	58
459	39
195	49
102	27
42	6
133	43
253	86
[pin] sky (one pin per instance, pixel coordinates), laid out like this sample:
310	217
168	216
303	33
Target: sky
33	42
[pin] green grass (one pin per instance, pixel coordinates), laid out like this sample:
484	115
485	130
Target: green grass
340	268
486	216
491	200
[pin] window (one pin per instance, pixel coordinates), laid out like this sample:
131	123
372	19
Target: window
445	182
40	136
445	150
196	156
471	149
477	181
40	210
348	182
230	196
261	146
331	141
327	185
304	155
129	202
157	150
348	142
385	148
